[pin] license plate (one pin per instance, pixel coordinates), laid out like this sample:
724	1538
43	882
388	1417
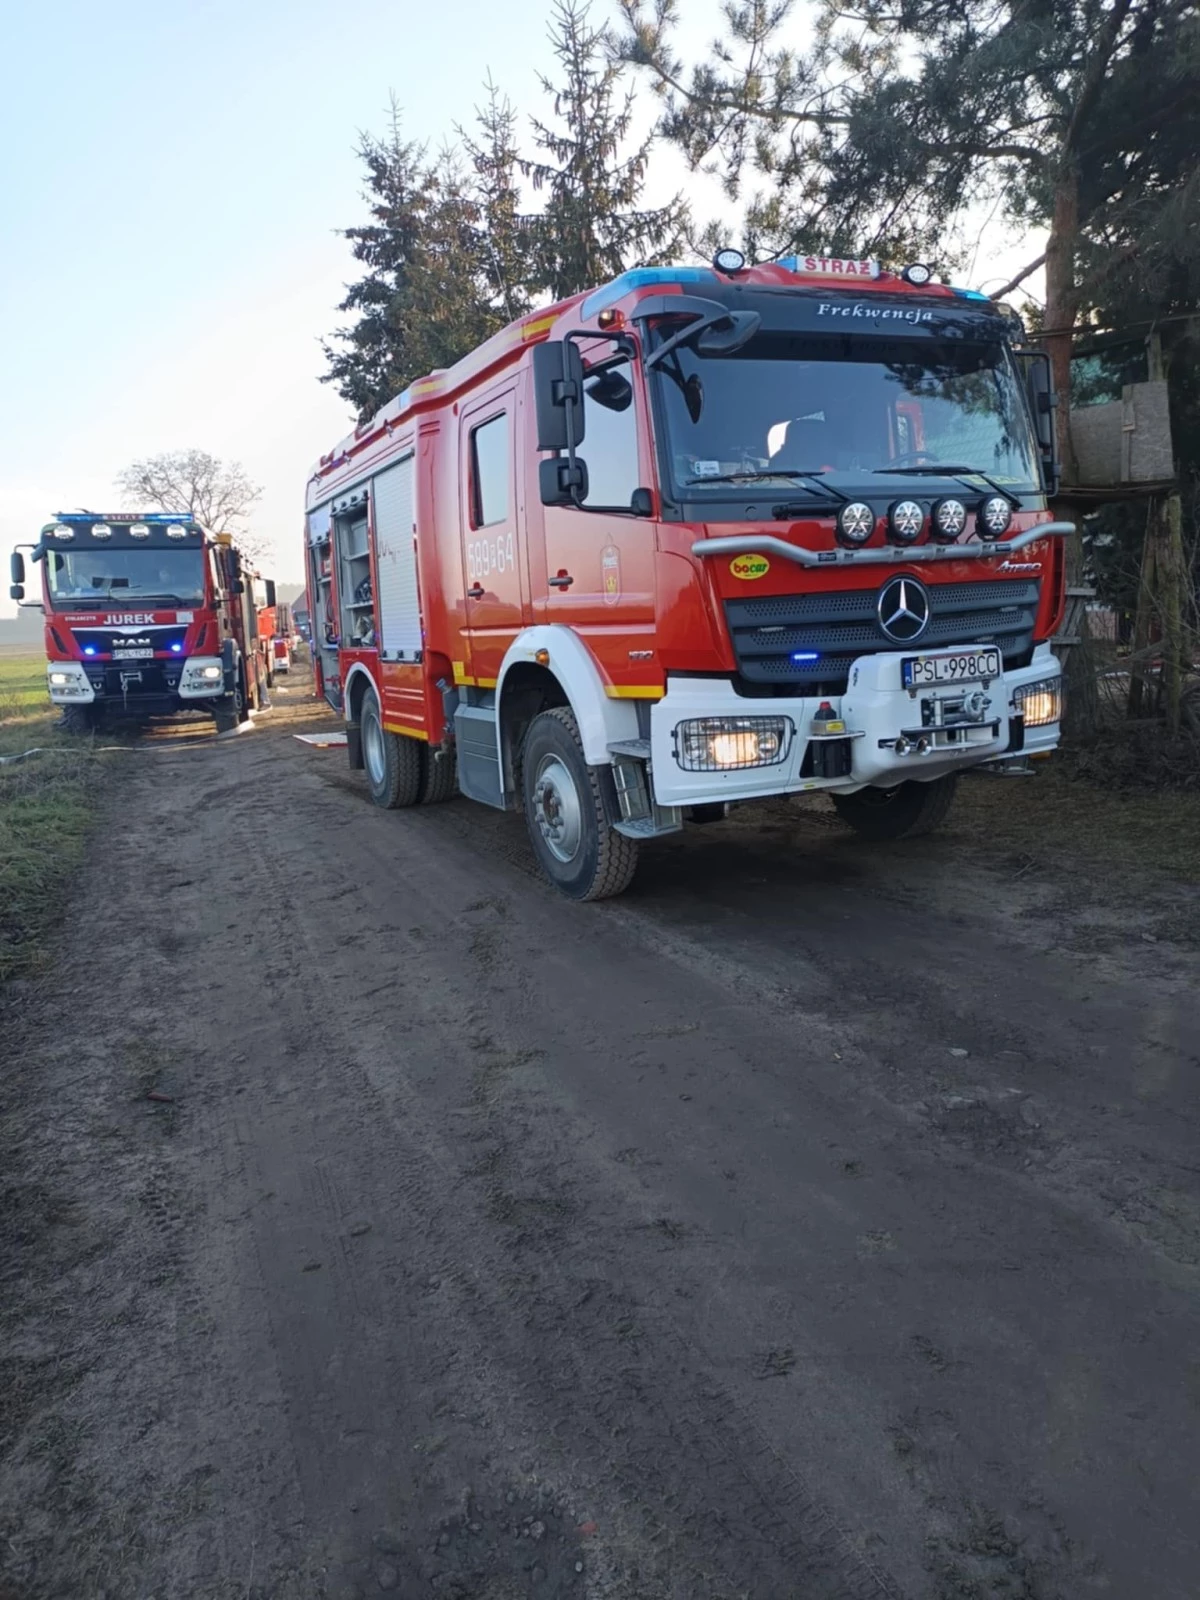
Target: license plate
965	666
134	653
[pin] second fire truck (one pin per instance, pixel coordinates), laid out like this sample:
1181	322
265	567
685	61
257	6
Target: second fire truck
148	613
701	536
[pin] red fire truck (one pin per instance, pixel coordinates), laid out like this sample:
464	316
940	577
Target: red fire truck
148	613
700	536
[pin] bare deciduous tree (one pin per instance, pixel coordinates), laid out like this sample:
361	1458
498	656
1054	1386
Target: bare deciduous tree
216	493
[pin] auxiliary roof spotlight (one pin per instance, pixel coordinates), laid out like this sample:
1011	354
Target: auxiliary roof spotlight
917	273
949	520
729	261
906	518
994	517
855	523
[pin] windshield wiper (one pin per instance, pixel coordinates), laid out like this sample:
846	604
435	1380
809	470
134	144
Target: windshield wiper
930	470
765	477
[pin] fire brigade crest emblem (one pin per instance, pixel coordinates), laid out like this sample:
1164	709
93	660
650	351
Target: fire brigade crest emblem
610	571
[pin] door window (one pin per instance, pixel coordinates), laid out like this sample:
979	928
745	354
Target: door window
610	444
490	473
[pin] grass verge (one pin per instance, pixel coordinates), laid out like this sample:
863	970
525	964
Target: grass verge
46	807
1066	813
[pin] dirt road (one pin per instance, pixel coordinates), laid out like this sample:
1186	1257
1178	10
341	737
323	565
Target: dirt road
818	1221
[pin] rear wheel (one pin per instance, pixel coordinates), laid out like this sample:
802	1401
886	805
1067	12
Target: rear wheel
904	812
437	775
392	763
575	845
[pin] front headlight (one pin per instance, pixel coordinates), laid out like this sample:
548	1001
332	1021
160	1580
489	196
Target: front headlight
1039	703
211	673
60	679
725	744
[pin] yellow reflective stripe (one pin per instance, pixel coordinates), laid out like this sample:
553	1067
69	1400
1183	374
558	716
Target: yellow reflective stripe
408	733
638	692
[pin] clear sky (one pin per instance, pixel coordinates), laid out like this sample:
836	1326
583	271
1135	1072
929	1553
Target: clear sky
175	172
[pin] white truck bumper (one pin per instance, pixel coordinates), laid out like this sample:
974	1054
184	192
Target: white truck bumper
893	733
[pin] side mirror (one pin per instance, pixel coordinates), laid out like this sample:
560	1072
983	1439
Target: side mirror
558	394
16	591
17	568
237	586
641	503
269	584
1043	402
562	481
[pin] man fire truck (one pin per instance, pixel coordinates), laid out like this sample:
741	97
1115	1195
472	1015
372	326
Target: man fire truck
147	613
700	536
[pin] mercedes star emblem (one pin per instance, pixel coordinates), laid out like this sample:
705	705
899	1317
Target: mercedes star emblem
903	609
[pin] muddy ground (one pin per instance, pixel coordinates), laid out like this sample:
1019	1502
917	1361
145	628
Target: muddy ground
817	1221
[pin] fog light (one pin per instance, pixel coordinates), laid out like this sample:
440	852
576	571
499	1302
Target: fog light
1039	703
724	744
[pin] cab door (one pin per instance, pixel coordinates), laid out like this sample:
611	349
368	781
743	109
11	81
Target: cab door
494	581
599	576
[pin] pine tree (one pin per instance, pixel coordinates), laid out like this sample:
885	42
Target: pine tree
591	227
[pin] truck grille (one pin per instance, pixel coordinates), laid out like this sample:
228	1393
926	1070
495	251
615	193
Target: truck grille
837	626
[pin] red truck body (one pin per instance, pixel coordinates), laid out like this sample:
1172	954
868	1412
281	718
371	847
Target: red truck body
149	613
738	533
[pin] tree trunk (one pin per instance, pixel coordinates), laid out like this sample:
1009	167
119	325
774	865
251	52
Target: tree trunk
1062	308
1171	575
1144	620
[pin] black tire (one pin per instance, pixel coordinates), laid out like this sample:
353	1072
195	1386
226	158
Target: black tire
226	716
576	847
392	763
437	775
905	812
79	719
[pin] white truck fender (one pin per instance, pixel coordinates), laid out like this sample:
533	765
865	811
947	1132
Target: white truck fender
602	719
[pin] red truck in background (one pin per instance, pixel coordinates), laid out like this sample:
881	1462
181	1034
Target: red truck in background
700	536
149	613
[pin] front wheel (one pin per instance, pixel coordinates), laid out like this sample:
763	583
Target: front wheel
392	763
80	719
575	845
904	812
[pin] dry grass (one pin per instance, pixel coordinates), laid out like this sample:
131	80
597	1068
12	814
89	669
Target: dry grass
1069	813
46	806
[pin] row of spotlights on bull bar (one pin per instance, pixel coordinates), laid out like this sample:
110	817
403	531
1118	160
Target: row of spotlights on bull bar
906	518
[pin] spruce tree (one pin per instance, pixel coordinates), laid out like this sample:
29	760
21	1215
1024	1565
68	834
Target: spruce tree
591	226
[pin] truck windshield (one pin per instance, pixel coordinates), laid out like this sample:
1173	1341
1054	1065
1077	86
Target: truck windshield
844	408
113	576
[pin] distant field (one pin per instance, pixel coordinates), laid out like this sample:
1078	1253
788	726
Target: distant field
22	682
45	810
